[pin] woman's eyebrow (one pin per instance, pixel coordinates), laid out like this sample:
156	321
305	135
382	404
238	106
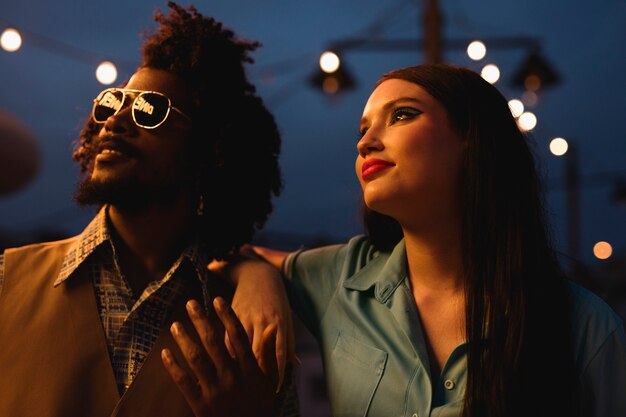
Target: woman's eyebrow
391	103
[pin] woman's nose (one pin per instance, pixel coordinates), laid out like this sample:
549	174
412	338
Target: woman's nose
369	142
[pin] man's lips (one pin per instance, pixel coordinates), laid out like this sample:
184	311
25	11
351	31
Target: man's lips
113	148
372	166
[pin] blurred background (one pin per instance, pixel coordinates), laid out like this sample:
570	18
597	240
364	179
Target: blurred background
562	63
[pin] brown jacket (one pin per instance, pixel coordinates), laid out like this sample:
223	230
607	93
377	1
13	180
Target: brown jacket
54	360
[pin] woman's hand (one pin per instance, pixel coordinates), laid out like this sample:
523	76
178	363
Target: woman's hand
260	302
222	383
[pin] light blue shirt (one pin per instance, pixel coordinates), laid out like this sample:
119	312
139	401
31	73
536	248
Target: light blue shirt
358	304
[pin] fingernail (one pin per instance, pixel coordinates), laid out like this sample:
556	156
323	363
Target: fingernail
166	355
175	327
219	303
194	306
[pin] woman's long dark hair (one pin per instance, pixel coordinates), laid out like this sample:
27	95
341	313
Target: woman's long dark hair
519	356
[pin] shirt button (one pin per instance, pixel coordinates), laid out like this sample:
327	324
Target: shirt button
449	384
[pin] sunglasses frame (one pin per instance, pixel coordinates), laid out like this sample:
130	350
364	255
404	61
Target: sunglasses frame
139	93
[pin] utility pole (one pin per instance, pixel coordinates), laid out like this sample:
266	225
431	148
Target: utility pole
432	20
572	185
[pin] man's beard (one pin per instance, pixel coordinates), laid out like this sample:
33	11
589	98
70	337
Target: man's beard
128	195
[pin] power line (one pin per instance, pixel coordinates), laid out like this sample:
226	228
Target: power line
66	50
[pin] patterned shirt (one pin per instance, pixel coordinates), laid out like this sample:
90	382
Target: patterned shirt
131	322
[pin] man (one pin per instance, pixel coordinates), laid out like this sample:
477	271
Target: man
182	162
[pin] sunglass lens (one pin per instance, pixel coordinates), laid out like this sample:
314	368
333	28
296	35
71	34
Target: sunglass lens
150	109
107	104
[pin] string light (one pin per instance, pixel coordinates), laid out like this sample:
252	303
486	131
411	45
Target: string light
106	73
329	62
602	250
517	107
527	121
11	40
476	50
558	146
491	73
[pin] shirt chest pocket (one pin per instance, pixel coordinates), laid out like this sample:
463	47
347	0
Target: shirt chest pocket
353	374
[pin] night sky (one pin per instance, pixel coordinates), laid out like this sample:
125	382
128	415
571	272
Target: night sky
583	40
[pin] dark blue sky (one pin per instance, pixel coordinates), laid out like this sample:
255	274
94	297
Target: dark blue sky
583	40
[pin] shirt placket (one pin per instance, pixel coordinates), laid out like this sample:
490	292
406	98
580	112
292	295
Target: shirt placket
143	324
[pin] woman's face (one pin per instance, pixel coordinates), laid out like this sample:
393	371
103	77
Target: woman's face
410	157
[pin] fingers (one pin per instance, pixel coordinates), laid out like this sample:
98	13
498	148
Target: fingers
184	382
236	333
280	341
229	346
257	343
268	360
211	332
199	362
266	354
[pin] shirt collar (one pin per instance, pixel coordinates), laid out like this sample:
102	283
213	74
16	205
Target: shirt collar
197	254
94	235
385	273
98	233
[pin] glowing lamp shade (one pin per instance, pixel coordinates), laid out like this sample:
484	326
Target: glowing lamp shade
517	107
491	73
106	73
330	85
558	146
527	121
329	62
338	81
10	40
476	50
602	250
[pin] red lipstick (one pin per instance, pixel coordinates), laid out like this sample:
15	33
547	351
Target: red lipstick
372	166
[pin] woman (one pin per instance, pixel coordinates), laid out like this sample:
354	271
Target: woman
454	303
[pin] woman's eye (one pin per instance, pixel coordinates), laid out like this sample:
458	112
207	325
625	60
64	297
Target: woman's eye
403	113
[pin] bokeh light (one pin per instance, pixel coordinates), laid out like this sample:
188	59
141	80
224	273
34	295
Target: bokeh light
517	107
330	85
106	73
530	98
602	250
11	40
491	73
532	83
476	50
527	121
558	146
329	62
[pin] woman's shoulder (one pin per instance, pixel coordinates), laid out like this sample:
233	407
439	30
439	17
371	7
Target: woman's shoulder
589	309
593	323
354	254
